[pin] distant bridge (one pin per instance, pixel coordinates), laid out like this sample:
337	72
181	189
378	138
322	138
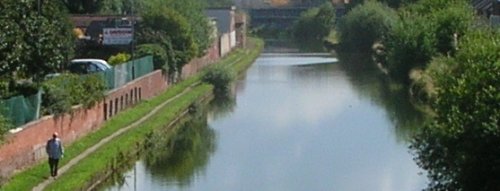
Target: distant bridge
275	17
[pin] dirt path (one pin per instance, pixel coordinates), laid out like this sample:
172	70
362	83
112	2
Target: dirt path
90	150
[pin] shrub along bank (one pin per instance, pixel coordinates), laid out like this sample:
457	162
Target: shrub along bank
450	58
80	175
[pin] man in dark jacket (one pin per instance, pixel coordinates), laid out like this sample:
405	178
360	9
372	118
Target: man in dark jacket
55	151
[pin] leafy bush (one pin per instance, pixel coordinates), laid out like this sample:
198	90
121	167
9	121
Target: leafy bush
365	25
160	56
10	88
424	30
62	92
314	24
397	3
119	58
410	44
33	44
460	149
5	125
55	99
173	32
220	77
94	90
451	22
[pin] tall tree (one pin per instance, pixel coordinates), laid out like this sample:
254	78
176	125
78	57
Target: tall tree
172	31
218	3
194	12
33	43
83	6
314	24
459	149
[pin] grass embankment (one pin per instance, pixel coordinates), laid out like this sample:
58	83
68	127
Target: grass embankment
83	172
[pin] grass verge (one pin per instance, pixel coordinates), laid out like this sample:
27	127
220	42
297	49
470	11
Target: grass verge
80	175
26	180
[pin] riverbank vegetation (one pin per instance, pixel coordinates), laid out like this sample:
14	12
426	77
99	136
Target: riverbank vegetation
314	24
26	180
220	77
449	59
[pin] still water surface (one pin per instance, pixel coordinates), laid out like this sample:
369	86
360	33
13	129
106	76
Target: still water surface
300	123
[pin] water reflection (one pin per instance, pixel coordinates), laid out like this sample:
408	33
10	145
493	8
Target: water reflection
380	90
173	156
184	155
223	104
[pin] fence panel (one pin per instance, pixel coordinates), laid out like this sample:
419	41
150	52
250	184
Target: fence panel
21	110
109	79
142	66
121	75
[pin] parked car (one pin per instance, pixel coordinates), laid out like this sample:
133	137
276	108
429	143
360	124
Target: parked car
87	66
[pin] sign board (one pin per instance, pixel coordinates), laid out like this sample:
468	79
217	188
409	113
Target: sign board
117	36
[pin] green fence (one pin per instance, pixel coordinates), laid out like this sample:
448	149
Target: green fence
21	110
142	66
126	72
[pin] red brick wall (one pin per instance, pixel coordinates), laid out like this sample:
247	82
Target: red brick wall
128	95
27	146
195	65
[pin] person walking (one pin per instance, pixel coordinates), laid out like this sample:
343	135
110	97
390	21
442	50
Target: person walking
55	151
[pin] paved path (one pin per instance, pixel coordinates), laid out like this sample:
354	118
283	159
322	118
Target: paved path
90	150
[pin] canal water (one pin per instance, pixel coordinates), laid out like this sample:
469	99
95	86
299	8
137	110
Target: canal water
296	122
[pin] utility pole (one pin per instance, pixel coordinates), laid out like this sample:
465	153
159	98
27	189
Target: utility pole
132	43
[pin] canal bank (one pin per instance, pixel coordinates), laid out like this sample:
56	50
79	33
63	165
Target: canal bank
76	179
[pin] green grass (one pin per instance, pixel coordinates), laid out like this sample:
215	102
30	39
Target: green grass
31	177
256	45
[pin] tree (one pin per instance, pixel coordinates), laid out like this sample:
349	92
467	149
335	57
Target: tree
460	149
314	24
180	27
160	56
397	3
172	31
125	7
218	3
366	24
83	6
425	29
410	44
33	44
194	12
